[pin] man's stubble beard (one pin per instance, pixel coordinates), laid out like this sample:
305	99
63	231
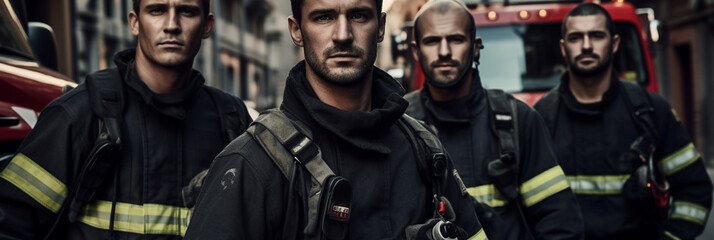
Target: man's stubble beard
349	78
602	66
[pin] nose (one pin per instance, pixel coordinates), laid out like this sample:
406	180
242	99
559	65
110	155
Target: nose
173	25
587	44
343	31
444	49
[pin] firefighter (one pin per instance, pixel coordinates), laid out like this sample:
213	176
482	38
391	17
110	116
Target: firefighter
634	170
108	159
340	139
498	144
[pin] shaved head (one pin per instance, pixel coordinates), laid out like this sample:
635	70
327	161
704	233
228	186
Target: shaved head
445	7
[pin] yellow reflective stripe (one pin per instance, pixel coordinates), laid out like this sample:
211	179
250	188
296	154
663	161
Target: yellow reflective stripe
140	219
487	194
36	182
597	184
690	211
544	185
480	235
676	117
678	160
669	234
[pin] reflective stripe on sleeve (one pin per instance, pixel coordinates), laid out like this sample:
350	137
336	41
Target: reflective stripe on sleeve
140	219
36	182
690	212
544	185
670	235
487	194
597	184
679	159
480	235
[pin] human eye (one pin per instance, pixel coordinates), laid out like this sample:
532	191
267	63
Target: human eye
598	35
457	39
187	11
322	18
156	11
430	41
574	37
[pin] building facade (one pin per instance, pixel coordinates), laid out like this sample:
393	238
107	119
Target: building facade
246	55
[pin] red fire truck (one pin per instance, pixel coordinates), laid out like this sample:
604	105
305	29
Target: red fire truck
25	86
521	45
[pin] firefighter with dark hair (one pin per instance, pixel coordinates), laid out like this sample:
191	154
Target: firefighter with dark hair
634	170
498	144
339	159
108	160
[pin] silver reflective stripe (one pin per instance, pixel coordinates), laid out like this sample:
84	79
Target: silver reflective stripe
487	194
302	145
36	182
690	212
140	219
679	159
597	184
542	186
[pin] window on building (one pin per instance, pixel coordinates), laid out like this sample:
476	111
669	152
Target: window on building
109	8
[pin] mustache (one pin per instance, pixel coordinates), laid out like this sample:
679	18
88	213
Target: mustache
437	63
584	55
343	49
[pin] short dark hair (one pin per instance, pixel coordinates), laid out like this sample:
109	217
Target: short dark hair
297	9
587	9
206	4
443	7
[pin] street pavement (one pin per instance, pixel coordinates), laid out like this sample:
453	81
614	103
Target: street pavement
708	233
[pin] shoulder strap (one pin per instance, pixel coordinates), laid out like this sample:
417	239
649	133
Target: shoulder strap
504	123
548	108
416	107
228	112
285	145
433	165
504	170
106	98
641	108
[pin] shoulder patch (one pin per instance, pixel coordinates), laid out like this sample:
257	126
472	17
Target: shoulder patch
229	178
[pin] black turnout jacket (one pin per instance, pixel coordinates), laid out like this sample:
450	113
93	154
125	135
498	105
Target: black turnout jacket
590	140
245	195
548	209
166	140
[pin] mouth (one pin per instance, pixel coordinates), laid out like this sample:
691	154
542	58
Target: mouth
342	57
171	44
444	66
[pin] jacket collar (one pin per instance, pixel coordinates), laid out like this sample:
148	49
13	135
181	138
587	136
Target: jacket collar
171	104
589	109
461	110
358	128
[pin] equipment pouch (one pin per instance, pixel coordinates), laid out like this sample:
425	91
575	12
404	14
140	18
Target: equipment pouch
503	173
335	206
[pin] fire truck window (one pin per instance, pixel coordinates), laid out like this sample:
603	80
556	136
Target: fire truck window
13	41
526	58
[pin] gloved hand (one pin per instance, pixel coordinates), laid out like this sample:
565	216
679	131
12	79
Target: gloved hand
433	229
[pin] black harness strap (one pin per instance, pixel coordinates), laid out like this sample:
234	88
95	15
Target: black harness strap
285	144
504	170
